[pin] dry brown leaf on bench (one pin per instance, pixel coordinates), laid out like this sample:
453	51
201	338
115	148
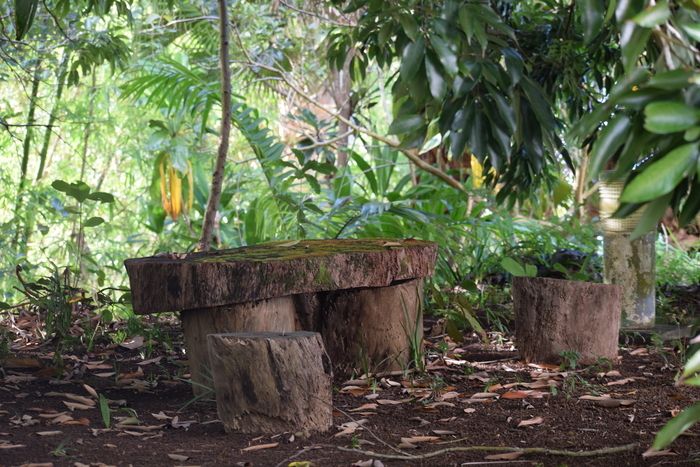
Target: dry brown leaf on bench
531	422
259	447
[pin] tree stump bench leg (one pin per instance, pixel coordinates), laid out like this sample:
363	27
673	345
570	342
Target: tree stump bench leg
369	329
277	314
271	382
554	316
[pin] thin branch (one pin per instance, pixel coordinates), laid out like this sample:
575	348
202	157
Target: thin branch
328	142
316	15
545	451
57	22
411	154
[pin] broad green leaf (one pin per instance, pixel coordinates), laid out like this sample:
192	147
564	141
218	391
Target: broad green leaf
691	134
512	266
405	124
692	366
5	306
692	29
661	176
409	25
651	216
366	170
93	222
633	40
592	15
60	185
313	183
639	145
101	196
24	16
438	86
446	53
653	15
676	426
669	117
411	59
671	80
609	141
514	64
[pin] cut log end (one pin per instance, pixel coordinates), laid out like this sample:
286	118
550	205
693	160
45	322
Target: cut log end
272	382
554	316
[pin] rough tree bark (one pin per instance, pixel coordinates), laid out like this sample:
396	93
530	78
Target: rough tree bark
275	315
218	176
272	382
554	316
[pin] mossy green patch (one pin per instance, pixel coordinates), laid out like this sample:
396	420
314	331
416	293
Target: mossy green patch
289	250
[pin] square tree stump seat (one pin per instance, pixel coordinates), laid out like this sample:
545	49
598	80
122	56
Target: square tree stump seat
363	296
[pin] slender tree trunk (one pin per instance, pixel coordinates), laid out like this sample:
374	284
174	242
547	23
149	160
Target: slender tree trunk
88	128
19	205
341	90
62	72
218	176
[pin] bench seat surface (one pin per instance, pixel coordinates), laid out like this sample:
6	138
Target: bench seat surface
275	269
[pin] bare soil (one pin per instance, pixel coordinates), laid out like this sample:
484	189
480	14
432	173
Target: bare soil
154	420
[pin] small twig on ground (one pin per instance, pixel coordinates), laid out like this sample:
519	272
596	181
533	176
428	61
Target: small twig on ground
545	451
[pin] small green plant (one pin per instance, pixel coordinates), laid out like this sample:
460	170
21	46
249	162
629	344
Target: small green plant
518	269
355	442
570	360
105	411
61	450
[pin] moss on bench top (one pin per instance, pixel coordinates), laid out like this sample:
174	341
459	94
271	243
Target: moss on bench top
174	282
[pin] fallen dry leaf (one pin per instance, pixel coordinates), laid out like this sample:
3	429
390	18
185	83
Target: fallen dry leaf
369	463
259	447
178	457
469	410
620	382
133	343
349	428
515	394
90	390
150	361
444	432
49	433
364	407
77	406
531	421
161	416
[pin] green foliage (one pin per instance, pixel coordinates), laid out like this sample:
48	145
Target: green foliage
518	269
105	411
689	416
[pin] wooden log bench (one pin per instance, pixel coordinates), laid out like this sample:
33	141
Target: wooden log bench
363	296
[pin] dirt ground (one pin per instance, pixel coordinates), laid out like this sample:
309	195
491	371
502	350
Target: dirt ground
471	395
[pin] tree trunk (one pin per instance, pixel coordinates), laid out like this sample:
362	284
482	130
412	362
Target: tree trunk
341	90
272	382
277	314
26	147
218	176
554	316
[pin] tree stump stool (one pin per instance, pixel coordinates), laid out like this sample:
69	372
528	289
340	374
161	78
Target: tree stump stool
272	382
363	296
554	316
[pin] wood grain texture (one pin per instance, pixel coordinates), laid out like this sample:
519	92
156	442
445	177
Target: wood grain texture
277	314
553	315
370	329
277	269
272	382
